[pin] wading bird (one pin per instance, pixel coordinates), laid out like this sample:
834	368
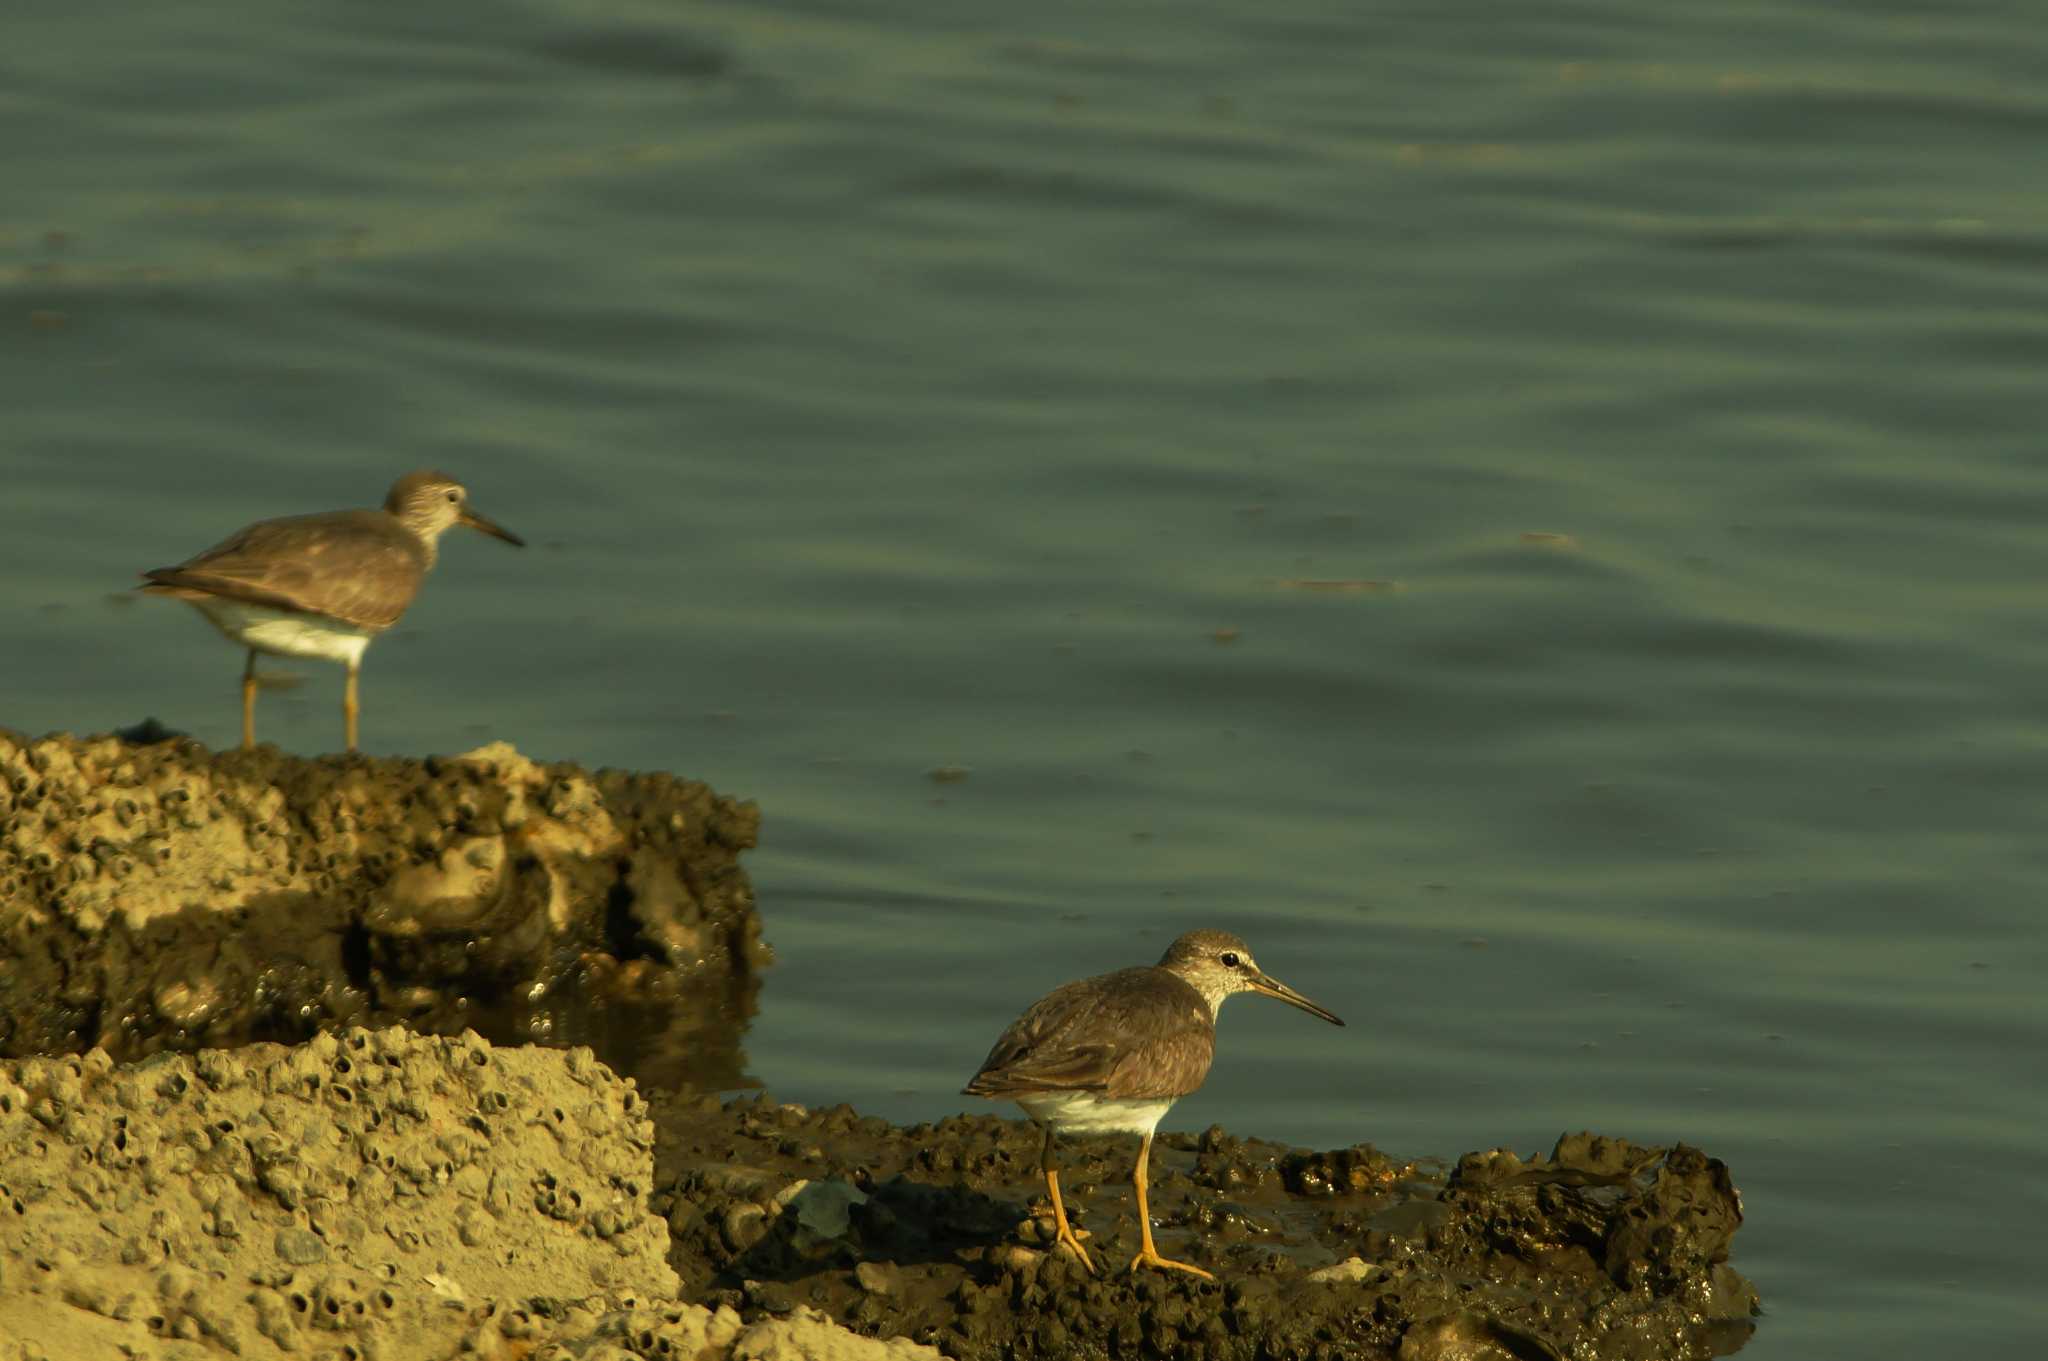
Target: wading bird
1111	1054
323	585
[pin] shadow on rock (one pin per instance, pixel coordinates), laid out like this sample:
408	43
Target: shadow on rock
163	896
939	1233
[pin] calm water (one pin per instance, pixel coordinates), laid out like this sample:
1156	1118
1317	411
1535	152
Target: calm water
884	391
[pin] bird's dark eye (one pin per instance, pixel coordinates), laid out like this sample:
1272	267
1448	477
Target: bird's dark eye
1229	958
454	496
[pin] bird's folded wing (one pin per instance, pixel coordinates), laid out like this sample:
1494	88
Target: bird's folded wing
179	579
1138	1033
1084	1069
1171	1066
340	566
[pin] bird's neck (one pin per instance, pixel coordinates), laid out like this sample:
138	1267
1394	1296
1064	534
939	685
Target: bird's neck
1211	988
428	535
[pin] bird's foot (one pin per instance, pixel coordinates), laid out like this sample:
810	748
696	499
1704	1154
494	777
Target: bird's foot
1068	1237
1151	1258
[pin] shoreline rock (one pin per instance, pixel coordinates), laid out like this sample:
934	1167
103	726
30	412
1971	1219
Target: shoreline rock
368	1194
404	1197
164	896
413	1195
1603	1249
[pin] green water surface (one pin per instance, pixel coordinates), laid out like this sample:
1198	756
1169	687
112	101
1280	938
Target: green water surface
1531	514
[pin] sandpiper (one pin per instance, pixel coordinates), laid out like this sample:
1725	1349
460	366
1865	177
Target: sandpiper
1111	1054
323	585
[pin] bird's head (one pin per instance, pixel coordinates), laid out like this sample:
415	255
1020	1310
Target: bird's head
430	504
1218	964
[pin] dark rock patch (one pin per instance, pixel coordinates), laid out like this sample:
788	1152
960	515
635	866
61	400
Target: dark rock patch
1604	1249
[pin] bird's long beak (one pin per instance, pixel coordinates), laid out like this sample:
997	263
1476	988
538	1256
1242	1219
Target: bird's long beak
1273	987
488	526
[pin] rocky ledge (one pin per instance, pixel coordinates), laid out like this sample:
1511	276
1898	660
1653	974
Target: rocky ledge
1603	1249
366	1196
385	1194
158	895
389	1196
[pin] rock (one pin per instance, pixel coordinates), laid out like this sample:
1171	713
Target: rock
164	896
743	1225
875	1278
104	1257
1604	1251
377	1193
1468	1336
1014	1257
298	1247
130	1194
1350	1270
822	1207
807	1335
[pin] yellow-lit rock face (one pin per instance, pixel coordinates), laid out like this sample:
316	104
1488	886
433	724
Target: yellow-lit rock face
367	1193
350	1188
168	896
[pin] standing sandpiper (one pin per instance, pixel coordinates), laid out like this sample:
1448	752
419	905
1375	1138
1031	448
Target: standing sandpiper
323	585
1110	1055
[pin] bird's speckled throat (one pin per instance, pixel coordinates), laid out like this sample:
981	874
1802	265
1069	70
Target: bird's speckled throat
1212	983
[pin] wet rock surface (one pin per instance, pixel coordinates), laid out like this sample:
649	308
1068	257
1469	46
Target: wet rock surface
391	1195
365	1195
159	895
1603	1249
395	1196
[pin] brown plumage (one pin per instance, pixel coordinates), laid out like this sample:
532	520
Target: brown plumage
1142	1033
322	585
1111	1054
348	565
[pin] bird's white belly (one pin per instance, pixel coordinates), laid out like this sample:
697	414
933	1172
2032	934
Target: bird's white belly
284	633
1090	1113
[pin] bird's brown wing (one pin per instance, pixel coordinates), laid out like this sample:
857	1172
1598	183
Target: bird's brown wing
1139	1033
348	565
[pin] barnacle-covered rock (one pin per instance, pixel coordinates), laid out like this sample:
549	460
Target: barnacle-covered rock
165	896
368	1194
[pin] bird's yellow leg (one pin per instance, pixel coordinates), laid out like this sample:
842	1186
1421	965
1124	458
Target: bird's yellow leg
350	708
1148	1255
1066	1237
249	701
